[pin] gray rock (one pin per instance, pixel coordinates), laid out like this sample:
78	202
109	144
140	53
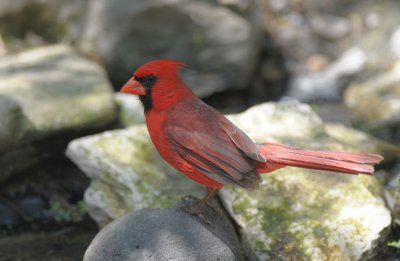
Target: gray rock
13	123
280	220
166	234
219	39
329	83
220	43
375	103
303	29
47	91
306	214
127	174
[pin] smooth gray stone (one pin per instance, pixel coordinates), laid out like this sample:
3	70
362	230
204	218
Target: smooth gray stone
166	234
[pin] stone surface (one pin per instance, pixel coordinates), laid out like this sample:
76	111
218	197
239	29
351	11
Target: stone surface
166	234
130	109
13	123
309	215
306	214
220	42
297	213
29	23
328	83
375	104
47	91
305	28
127	174
359	140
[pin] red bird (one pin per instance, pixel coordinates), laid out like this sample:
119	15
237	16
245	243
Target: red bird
205	146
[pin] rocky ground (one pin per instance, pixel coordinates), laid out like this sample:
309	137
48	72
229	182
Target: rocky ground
75	156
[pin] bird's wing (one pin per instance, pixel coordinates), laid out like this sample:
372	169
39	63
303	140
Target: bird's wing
216	154
241	140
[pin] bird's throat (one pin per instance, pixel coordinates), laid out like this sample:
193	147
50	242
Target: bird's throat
146	100
148	83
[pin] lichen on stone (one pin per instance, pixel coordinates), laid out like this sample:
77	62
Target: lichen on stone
296	213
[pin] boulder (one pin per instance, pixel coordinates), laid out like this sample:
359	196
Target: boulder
44	92
300	214
306	29
220	41
127	174
375	104
166	234
310	215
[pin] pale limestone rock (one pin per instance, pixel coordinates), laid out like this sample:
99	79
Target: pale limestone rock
47	91
296	213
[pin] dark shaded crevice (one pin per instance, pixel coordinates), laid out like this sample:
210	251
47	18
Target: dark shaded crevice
384	250
48	195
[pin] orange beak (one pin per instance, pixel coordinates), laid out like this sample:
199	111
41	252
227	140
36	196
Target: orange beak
133	87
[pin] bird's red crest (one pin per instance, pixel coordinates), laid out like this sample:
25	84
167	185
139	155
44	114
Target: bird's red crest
158	84
160	68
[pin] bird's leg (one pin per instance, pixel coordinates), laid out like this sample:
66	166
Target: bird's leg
210	195
199	206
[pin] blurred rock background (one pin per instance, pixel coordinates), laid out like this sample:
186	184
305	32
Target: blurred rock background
61	63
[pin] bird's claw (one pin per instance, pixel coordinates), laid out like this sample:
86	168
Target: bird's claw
192	211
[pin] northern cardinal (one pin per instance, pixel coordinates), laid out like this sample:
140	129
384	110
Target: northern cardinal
205	146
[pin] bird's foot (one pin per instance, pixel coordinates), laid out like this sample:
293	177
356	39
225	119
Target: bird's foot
195	212
213	205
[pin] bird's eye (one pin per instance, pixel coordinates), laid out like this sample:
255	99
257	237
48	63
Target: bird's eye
147	81
151	79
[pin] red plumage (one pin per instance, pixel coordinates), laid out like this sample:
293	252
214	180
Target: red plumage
205	146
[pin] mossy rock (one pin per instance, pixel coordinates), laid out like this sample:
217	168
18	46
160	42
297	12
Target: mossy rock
300	214
44	92
57	90
127	174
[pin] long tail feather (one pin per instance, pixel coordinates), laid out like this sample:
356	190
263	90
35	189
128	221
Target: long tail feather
278	155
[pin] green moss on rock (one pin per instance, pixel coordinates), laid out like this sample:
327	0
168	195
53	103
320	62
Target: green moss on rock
128	174
307	214
296	214
57	90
